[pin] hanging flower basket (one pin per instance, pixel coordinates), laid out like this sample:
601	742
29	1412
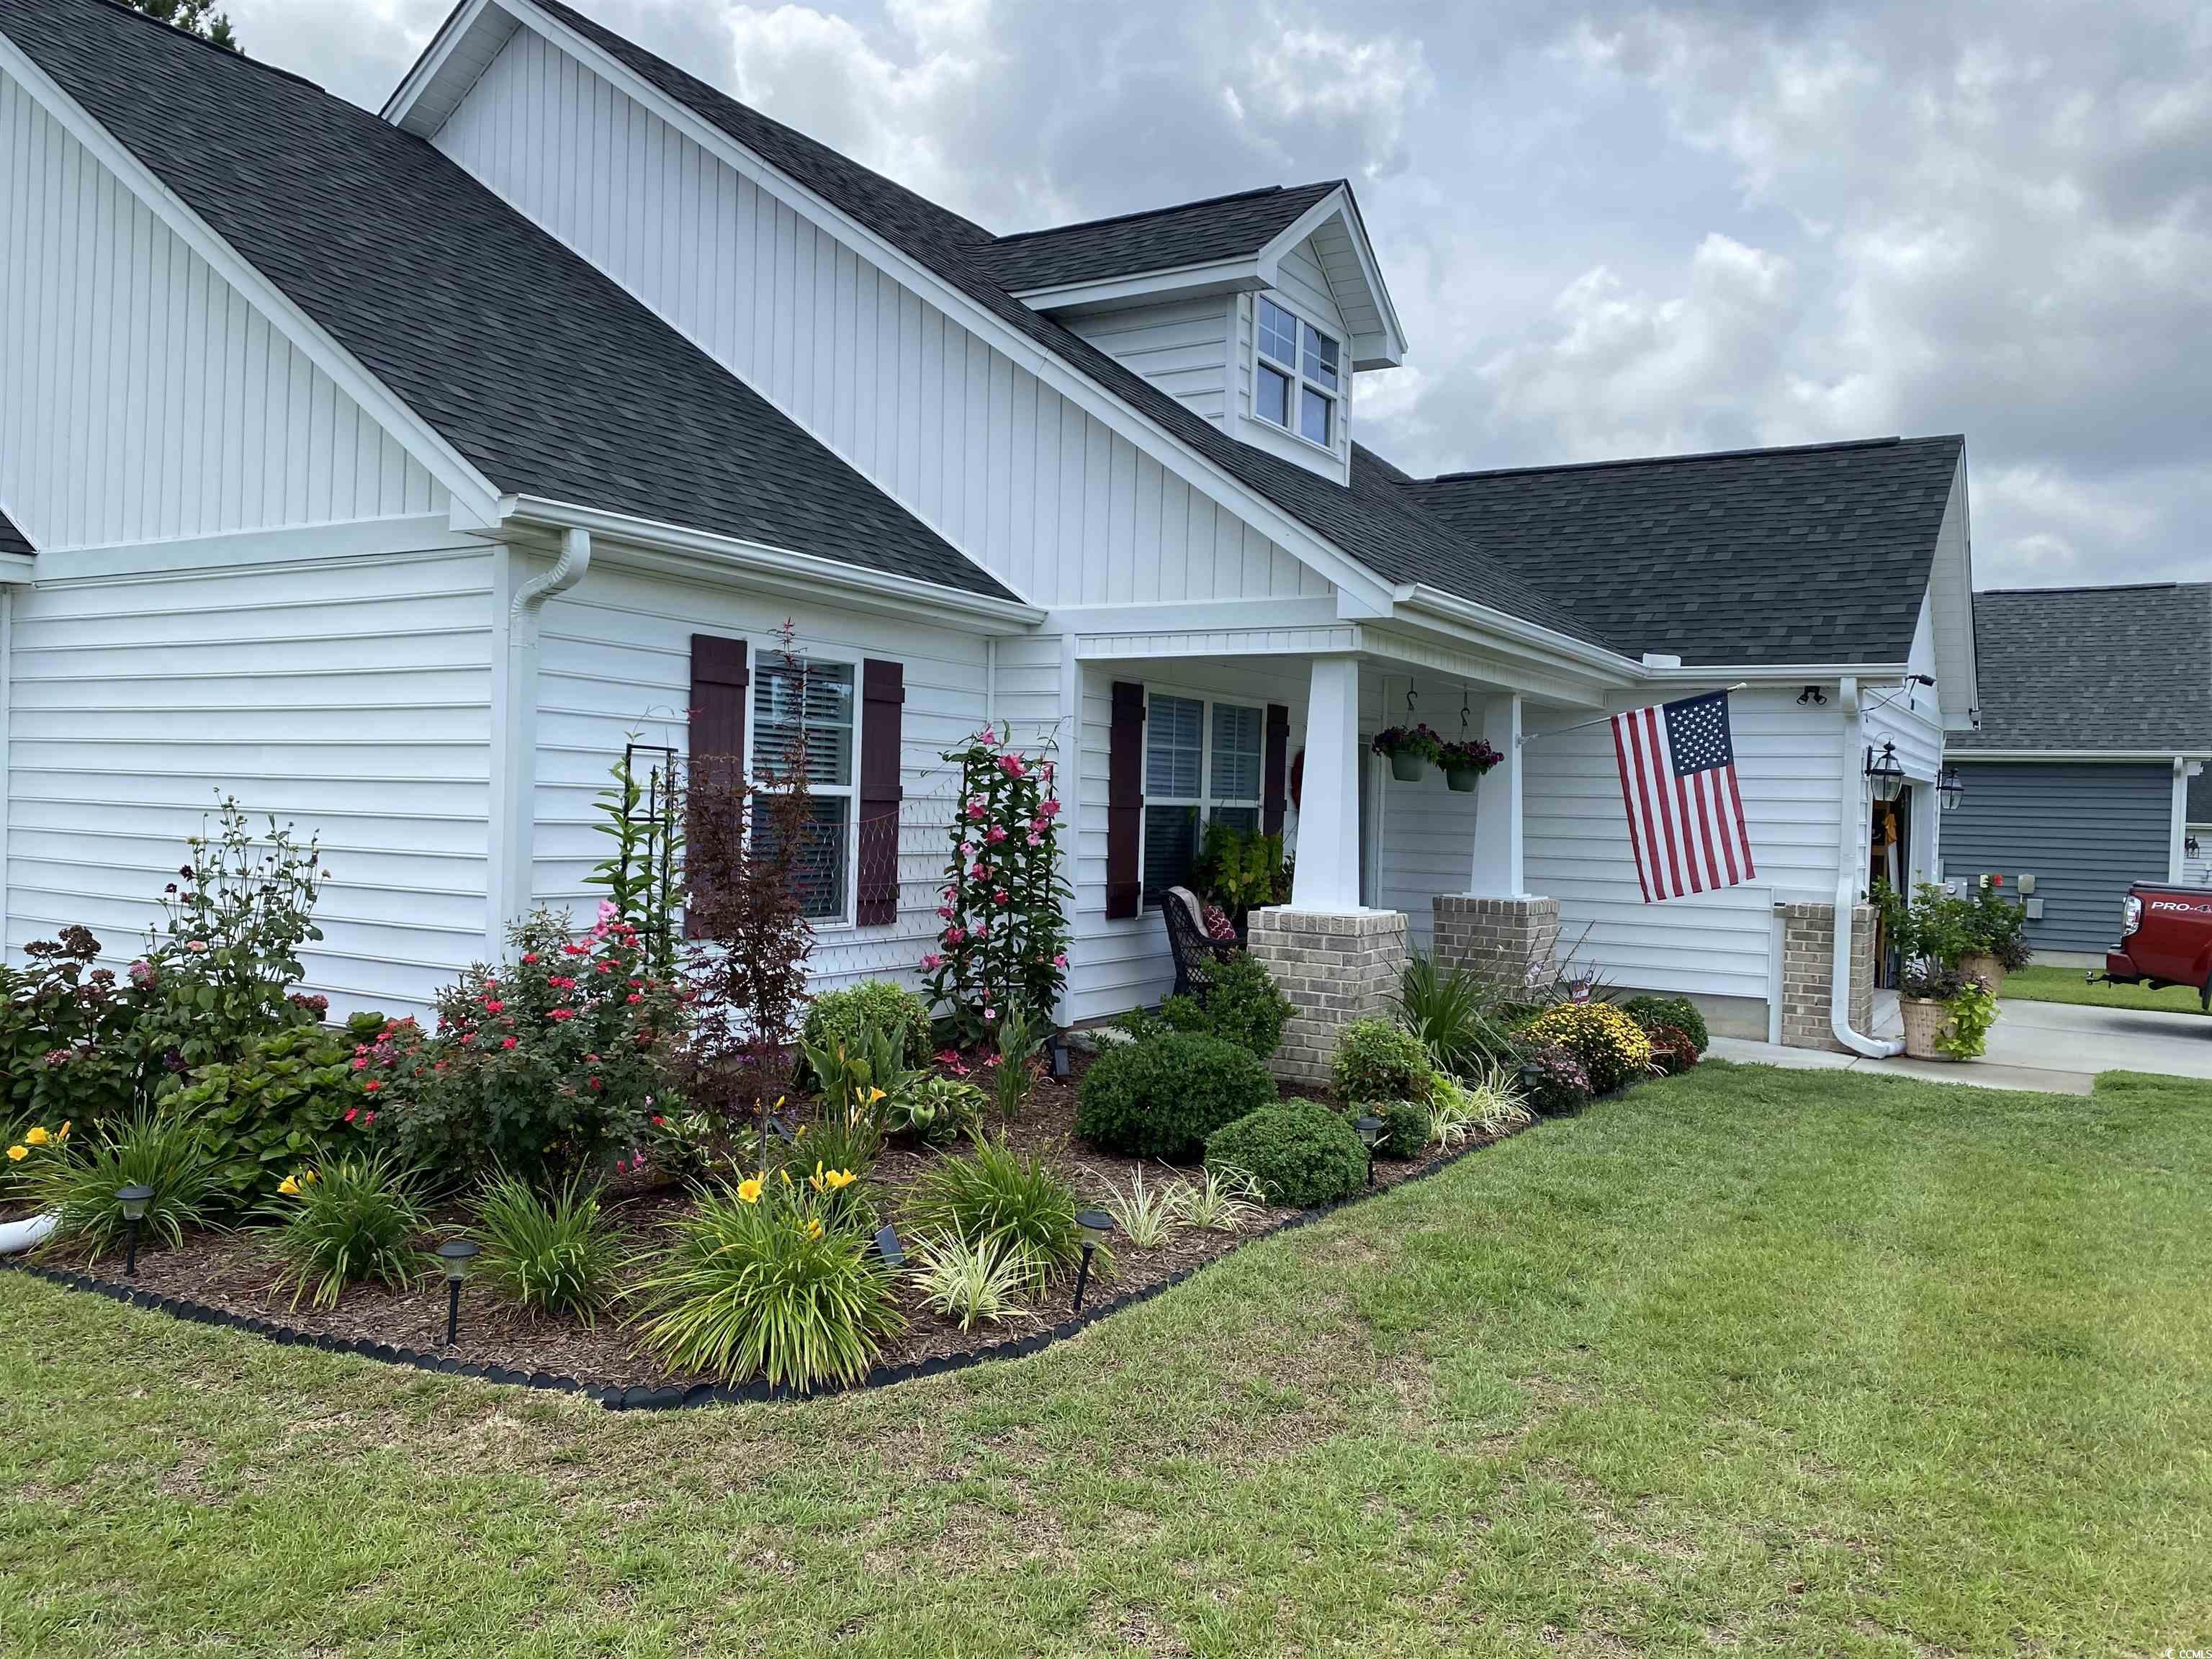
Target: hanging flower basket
1411	749
1465	762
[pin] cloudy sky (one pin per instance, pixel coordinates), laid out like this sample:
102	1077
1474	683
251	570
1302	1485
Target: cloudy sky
1610	230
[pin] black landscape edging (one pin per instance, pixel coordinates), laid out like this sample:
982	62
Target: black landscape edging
671	1396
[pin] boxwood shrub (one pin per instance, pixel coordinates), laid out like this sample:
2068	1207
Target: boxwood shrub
1299	1152
1406	1125
1377	1061
1654	1013
1163	1096
1243	1006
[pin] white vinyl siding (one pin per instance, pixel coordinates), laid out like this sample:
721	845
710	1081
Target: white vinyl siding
1050	501
1181	346
1303	289
1419	837
142	398
350	697
617	659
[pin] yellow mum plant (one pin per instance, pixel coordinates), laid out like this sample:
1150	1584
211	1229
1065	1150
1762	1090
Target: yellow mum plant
1611	1047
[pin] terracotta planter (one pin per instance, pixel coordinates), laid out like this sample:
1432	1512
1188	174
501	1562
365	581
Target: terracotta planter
1407	767
1986	969
1925	1019
1461	780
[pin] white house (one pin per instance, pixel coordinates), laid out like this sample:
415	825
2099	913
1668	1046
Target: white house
390	471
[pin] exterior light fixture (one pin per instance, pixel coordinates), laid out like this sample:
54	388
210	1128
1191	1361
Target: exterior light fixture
888	1247
2190	848
1952	787
1094	1226
456	1253
1813	694
1062	1070
1369	1130
133	1202
1887	775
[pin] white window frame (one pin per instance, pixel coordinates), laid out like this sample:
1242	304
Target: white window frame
1339	399
1206	801
762	652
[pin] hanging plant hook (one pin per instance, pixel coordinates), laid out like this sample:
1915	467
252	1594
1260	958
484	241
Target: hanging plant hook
1463	718
1409	696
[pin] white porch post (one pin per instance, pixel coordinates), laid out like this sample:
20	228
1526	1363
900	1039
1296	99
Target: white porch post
1328	874
1498	867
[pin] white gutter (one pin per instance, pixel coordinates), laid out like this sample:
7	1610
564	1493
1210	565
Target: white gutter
802	574
2118	756
1851	775
1419	596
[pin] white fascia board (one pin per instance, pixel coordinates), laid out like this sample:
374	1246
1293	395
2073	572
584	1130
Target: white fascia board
1302	541
1494	630
469	488
418	79
1198	616
643	541
2116	757
1868	673
299	545
1391	350
1192	281
17	567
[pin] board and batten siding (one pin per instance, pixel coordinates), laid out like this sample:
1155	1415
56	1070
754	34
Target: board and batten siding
350	697
1051	502
1718	944
142	398
2084	830
1418	838
614	659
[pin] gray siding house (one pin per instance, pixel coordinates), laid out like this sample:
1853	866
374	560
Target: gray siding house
2096	721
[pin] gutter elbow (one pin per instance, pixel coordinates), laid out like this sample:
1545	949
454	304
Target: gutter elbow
574	561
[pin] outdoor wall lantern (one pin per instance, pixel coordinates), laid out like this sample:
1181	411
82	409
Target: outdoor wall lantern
456	1253
1370	1135
1952	787
2190	847
133	1200
1887	775
1094	1226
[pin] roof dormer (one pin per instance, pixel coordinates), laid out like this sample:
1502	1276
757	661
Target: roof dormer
1252	310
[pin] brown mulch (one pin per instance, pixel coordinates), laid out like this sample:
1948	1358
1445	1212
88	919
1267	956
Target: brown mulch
237	1272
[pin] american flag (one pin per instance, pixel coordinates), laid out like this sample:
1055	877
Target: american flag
1685	811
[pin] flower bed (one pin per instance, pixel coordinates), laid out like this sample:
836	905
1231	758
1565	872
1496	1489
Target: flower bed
236	1273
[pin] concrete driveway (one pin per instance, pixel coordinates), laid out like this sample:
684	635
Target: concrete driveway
2057	1048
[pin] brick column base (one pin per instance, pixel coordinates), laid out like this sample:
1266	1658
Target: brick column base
1334	968
1808	954
1501	941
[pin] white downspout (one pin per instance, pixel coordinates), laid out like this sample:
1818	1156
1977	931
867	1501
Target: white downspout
7	787
511	884
1851	775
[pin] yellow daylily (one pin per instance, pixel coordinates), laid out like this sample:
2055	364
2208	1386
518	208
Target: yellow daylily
38	1135
65	1128
840	1179
749	1189
288	1186
17	1154
814	1227
786	1174
311	1176
874	1094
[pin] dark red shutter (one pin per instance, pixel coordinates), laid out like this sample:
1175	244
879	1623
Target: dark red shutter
718	690
1125	802
1275	791
883	715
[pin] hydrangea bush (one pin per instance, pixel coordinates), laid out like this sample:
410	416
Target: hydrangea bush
1003	944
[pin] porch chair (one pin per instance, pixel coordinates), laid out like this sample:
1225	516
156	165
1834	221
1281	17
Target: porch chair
1187	939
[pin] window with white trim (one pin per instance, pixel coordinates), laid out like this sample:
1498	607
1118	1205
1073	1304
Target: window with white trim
1204	762
813	712
1298	382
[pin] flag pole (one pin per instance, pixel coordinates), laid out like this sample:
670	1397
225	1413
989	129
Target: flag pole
1604	719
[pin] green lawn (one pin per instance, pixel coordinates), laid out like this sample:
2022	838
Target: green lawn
1766	1360
2068	985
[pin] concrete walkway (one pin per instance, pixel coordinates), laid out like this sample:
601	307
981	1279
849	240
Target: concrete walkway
2055	1048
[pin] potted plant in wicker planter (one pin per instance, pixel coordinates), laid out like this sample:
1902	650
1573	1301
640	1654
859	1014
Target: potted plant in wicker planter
2000	942
1412	749
1947	1011
1465	762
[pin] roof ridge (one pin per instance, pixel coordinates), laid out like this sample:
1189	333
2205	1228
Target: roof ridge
1172	207
232	52
2089	587
1890	443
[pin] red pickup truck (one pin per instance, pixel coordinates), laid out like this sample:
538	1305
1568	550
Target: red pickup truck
2166	939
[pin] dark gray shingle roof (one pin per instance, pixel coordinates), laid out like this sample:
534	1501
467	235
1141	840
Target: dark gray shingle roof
544	373
1162	239
2120	669
1814	555
1370	521
13	540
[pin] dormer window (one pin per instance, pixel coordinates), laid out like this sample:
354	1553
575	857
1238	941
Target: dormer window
1297	381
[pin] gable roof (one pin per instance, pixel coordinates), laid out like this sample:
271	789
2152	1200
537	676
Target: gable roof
1368	521
1161	239
1818	554
2127	669
537	368
12	540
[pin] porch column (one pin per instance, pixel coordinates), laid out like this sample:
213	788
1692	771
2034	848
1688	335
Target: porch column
1335	961
1328	874
1497	929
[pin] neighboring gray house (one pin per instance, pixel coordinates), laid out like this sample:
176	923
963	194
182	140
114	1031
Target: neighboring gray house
2096	720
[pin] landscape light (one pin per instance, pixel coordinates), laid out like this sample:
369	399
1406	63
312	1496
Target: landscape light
1094	1226
1371	1136
456	1253
888	1247
134	1200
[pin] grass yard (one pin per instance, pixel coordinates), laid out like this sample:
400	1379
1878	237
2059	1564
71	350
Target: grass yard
2066	985
1778	1361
